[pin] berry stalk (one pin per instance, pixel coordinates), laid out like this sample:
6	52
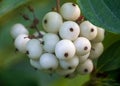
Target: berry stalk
58	5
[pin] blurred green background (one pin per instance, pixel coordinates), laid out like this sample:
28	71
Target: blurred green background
15	69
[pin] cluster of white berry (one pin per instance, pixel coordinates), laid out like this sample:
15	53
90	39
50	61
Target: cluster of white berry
66	48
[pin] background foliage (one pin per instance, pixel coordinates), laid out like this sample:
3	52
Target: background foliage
14	67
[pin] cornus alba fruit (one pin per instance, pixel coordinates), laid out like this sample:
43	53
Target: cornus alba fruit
88	30
66	46
70	11
82	45
34	49
65	49
20	42
48	61
18	29
70	63
69	30
51	22
50	40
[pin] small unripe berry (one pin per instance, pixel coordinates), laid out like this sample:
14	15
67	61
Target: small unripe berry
100	35
86	67
70	63
52	22
20	42
96	50
18	29
50	40
69	30
35	64
48	61
88	30
70	11
65	49
83	46
34	48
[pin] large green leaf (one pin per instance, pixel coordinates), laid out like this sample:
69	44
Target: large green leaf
110	59
103	13
8	5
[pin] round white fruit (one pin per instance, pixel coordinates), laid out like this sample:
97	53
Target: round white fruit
100	35
83	58
35	64
96	50
88	30
34	49
65	73
48	61
18	29
70	11
65	49
70	63
20	43
52	22
83	46
86	67
69	30
50	40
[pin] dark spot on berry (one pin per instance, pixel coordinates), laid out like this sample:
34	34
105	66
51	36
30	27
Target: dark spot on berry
71	29
45	21
66	54
85	48
67	76
85	70
92	30
69	68
27	52
73	4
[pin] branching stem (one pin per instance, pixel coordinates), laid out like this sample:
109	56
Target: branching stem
58	5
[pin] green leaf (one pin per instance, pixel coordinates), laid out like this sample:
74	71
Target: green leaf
9	5
103	13
110	59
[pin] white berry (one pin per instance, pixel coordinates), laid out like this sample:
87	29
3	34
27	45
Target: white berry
65	73
96	50
83	58
83	46
48	61
100	35
35	64
69	30
18	29
65	49
34	49
70	63
70	11
52	22
20	42
50	40
88	30
86	67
